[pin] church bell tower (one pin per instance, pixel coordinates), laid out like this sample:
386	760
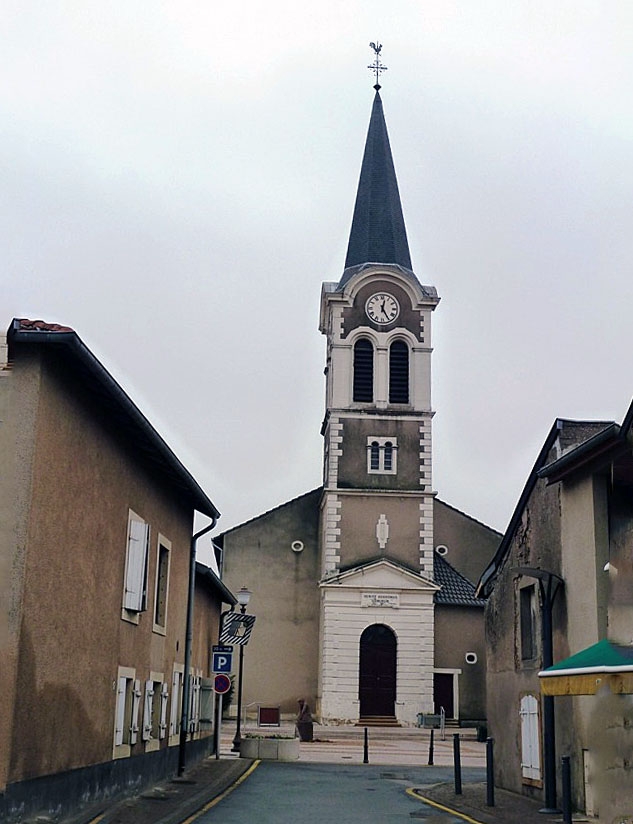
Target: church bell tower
376	534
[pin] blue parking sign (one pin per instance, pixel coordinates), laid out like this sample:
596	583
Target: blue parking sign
222	662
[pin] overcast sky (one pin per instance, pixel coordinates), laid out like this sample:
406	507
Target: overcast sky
179	178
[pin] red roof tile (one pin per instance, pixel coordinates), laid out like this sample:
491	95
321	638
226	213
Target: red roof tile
42	326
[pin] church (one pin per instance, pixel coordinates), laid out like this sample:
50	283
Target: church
363	587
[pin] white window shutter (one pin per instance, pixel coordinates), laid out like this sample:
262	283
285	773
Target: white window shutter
530	749
207	703
194	713
147	710
136	701
136	562
143	605
164	695
120	712
174	725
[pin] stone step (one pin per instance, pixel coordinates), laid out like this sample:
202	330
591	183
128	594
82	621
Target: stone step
378	721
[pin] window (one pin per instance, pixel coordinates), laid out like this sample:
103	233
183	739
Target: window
162	585
207	703
176	690
363	391
381	456
527	620
135	588
128	701
155	710
398	372
194	702
530	748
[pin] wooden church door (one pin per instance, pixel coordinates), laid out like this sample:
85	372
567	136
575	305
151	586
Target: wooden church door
443	693
377	675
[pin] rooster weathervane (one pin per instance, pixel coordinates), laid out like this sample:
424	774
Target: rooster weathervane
377	67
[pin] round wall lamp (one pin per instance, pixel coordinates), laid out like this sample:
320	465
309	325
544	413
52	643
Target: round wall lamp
296	546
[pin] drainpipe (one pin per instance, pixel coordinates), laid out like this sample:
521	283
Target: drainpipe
186	685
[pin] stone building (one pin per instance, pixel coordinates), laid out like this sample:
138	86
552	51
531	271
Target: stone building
96	519
559	623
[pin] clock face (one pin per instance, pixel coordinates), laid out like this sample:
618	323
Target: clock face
382	308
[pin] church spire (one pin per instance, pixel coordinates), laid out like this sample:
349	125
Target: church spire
378	234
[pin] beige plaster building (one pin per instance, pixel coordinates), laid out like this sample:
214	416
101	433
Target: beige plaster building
568	550
362	587
95	534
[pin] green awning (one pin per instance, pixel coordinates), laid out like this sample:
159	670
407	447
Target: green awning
584	673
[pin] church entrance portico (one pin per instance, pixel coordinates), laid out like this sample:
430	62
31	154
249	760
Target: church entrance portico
376	644
377	671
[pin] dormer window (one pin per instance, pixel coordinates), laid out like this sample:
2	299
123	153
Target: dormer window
381	456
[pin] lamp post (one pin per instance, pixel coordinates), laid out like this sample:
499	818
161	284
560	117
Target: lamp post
243	597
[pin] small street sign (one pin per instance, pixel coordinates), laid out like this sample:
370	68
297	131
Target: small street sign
222	661
221	684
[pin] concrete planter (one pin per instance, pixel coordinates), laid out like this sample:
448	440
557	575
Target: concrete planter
270	749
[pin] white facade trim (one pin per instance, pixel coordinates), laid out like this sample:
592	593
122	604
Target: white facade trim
405	605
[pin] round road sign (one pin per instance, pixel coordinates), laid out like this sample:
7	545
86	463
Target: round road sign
221	683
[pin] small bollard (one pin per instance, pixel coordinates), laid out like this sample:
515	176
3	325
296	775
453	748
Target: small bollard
490	772
366	748
566	786
431	748
457	764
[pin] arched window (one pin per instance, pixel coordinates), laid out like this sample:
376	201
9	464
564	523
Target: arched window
382	455
363	371
399	372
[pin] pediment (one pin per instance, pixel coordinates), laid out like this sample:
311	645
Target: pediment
380	575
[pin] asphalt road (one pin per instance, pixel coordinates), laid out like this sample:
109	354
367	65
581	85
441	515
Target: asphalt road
303	793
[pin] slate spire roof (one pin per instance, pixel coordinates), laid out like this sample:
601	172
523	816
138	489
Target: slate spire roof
378	234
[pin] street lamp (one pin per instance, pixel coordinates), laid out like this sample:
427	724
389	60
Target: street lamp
243	597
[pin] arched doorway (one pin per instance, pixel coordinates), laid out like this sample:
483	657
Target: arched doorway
377	671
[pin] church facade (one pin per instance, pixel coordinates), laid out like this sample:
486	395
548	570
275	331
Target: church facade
363	587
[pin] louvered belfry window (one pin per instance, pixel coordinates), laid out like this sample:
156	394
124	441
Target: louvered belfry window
363	371
399	372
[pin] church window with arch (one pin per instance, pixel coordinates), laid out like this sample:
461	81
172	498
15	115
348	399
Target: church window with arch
363	390
381	456
398	372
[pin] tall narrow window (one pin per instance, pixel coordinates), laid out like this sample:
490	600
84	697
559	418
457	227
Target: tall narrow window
374	456
388	456
527	619
363	371
162	585
399	372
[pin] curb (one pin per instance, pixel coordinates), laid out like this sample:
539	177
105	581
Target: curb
415	793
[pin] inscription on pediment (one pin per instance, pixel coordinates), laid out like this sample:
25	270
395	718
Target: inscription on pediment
390	600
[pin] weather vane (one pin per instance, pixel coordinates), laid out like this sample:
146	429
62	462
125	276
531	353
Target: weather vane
377	67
